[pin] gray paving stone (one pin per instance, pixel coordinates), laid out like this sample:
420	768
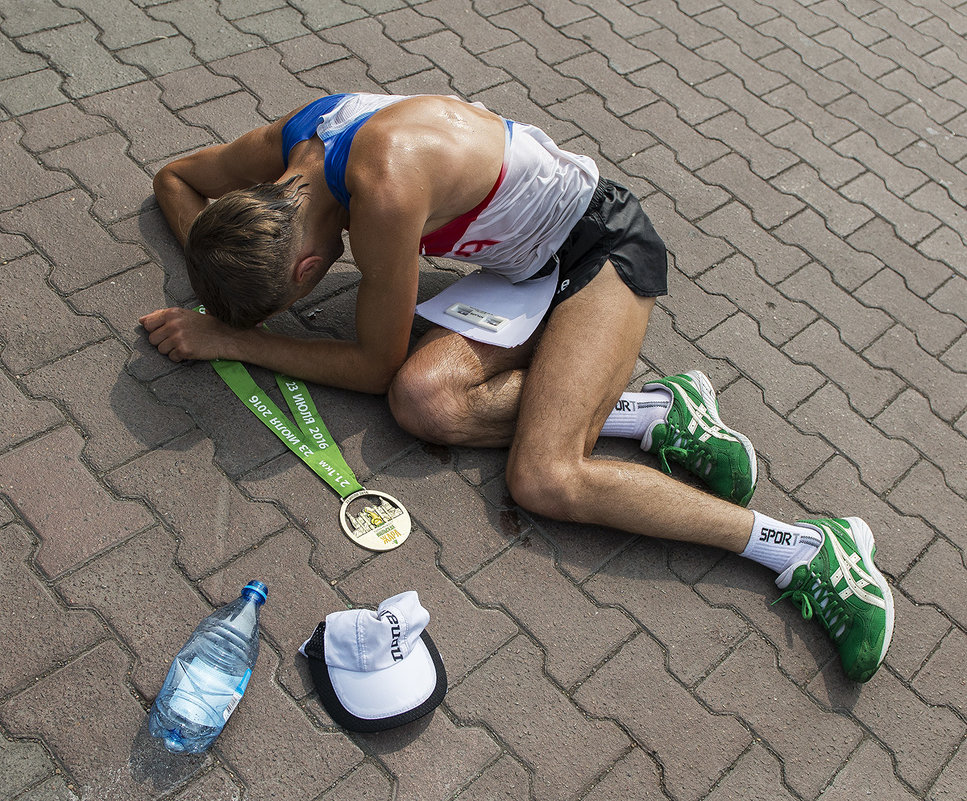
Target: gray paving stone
35	90
836	490
135	422
817	284
869	771
466	633
27	342
453	754
120	301
268	730
121	24
59	126
756	775
88	694
772	260
842	216
505	779
779	318
21	18
367	782
694	194
45	630
262	72
914	643
24	416
621	95
193	85
523	581
624	690
23	178
809	761
806	164
882	460
930	734
897	349
212	37
274	26
151	130
867	389
922	273
694	635
22	763
77	53
81	251
299	598
775	435
161	56
138	589
927	485
583	747
227	117
544	32
834	169
798	382
211	518
318	17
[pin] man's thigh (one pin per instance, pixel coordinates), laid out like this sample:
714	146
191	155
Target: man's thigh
465	362
580	367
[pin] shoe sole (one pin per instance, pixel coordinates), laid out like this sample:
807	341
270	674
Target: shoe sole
707	391
865	546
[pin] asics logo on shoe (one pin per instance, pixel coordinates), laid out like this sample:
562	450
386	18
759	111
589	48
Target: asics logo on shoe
702	417
854	578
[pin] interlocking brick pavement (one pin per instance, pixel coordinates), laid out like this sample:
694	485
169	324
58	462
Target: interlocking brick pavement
806	162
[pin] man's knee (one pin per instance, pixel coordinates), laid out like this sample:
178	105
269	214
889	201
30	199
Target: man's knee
423	403
541	485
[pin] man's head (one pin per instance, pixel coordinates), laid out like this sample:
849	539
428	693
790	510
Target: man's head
241	251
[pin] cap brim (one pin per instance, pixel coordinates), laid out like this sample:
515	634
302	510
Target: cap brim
381	699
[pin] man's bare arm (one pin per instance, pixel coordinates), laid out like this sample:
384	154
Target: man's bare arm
385	241
182	334
184	186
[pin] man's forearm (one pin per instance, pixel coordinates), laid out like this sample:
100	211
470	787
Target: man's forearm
179	203
330	362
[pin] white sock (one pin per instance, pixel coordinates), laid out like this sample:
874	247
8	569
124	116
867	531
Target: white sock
780	545
635	412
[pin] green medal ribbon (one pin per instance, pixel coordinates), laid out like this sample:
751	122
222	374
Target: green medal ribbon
379	526
315	447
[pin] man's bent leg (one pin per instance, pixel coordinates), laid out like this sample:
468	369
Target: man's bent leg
581	365
456	391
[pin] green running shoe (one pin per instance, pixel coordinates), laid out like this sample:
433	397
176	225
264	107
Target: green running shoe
694	435
842	587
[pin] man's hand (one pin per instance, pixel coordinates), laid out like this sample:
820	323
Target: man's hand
183	334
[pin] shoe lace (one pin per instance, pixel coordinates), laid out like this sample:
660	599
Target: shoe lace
821	599
697	457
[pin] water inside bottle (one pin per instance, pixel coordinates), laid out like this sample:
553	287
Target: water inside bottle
201	693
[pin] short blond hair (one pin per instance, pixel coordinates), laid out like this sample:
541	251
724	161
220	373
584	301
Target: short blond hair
240	250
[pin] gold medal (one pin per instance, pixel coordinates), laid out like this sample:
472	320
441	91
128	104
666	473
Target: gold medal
378	521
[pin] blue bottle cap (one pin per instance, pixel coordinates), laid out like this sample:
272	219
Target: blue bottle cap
256	591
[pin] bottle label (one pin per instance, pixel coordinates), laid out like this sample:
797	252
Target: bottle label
237	695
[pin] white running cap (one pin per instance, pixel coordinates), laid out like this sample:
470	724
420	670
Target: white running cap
375	670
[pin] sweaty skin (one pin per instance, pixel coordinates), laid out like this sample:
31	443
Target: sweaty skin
413	167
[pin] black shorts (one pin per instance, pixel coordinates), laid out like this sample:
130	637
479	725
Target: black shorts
613	228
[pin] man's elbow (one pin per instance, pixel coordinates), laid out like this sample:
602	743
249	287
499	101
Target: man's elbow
162	181
380	376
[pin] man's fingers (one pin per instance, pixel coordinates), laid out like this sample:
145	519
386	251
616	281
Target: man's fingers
155	319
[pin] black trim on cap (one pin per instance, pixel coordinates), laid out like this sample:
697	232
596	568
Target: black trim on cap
315	652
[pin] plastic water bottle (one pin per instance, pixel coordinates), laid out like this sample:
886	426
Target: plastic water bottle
208	677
